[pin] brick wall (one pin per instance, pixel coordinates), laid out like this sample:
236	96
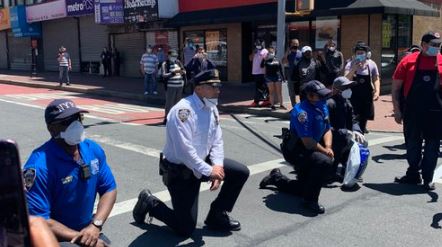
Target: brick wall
423	24
234	49
353	28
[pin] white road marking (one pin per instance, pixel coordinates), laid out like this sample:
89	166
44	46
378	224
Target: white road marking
126	146
128	205
42	96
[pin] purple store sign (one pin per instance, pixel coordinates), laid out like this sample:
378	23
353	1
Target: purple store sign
109	11
79	7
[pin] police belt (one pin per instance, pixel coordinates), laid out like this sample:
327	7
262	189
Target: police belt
171	171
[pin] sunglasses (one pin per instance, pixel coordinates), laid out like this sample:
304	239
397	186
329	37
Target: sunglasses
69	120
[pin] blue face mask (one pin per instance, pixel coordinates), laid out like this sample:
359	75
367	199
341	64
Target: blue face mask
320	104
432	51
360	58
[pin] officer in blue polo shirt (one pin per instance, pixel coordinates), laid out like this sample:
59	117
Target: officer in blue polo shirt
310	125
63	176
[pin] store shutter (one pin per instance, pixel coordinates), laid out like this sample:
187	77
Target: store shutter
56	33
131	47
19	52
93	38
3	51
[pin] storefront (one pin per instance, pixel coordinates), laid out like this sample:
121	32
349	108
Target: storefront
5	24
389	28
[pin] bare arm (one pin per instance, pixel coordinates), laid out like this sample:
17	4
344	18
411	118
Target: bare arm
61	232
41	234
377	87
105	205
328	137
396	91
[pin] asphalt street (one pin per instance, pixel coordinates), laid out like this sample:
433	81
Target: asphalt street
380	213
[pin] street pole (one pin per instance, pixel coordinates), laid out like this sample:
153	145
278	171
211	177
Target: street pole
280	37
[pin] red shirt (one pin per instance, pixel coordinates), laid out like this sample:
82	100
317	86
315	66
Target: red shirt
406	69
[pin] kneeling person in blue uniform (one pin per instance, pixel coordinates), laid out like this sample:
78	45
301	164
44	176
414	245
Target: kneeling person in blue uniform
309	122
64	175
194	153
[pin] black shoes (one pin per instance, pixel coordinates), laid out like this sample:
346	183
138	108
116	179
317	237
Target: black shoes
429	186
220	221
314	207
146	201
269	179
407	179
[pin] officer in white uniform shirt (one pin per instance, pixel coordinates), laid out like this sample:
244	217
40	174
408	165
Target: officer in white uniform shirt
194	153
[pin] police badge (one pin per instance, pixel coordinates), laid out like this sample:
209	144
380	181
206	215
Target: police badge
183	114
29	177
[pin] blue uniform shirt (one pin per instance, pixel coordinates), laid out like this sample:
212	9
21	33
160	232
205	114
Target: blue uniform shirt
307	120
55	188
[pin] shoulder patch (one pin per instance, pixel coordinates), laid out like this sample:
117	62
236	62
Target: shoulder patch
183	114
302	117
29	177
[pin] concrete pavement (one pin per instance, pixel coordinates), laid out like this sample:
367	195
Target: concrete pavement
235	97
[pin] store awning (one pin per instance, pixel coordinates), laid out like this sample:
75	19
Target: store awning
261	12
401	7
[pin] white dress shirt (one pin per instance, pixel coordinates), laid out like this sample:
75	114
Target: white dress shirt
193	133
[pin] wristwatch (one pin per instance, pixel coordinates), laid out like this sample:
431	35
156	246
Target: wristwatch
98	223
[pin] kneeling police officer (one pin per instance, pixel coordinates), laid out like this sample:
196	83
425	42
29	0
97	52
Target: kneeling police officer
313	154
194	153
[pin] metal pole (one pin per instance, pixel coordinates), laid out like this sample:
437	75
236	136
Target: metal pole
280	39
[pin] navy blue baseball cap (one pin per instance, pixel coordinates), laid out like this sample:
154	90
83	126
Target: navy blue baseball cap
60	109
316	87
431	37
209	77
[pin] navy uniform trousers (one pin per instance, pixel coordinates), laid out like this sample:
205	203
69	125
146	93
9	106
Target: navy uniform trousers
185	191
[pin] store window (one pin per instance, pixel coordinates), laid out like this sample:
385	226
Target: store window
396	38
300	30
16	2
214	43
325	29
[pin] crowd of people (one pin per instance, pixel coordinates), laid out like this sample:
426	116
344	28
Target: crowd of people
64	175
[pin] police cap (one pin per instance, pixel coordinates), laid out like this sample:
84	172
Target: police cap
61	109
209	77
342	83
316	87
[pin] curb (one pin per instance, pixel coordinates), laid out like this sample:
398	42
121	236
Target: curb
252	111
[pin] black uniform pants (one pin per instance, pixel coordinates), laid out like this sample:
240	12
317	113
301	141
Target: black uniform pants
185	191
312	172
261	90
413	142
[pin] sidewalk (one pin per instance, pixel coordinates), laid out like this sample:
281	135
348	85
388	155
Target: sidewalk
234	98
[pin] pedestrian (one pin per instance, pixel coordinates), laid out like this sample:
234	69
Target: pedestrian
200	62
308	69
106	58
416	95
292	58
190	160
173	74
334	62
343	121
64	66
188	51
365	72
261	90
117	61
274	77
310	126
63	176
149	69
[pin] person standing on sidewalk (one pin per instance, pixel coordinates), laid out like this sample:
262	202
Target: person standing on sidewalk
194	153
106	60
261	90
416	96
64	66
173	74
308	69
274	77
334	62
117	61
292	58
365	72
149	68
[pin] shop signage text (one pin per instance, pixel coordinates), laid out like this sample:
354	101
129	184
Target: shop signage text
79	7
4	19
46	11
109	11
19	26
136	11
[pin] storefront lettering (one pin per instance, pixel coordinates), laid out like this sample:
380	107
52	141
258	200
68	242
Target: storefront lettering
129	4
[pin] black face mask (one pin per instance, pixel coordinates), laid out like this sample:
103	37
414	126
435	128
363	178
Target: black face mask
294	47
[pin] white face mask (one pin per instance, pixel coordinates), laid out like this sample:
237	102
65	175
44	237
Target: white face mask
346	94
172	59
271	56
210	102
149	50
332	48
74	133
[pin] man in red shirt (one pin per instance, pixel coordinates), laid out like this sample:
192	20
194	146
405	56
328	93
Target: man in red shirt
416	96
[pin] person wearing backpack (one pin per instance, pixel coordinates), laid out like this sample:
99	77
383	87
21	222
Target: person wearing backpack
174	78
